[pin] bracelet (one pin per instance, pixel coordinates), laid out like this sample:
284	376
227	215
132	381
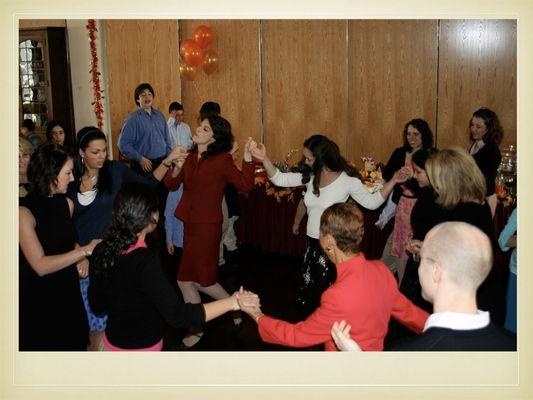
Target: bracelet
166	165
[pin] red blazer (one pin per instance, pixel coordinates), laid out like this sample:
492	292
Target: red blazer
204	181
365	295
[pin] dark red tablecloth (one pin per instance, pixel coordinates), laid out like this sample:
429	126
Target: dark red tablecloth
267	223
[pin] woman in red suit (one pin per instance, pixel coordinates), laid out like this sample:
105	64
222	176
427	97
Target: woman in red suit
204	173
365	293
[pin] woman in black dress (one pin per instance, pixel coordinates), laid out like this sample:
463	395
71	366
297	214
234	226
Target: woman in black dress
460	188
485	135
51	313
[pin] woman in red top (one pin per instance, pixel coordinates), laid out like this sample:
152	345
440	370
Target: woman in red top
204	174
365	293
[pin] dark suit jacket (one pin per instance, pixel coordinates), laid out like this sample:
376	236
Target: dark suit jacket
204	181
490	338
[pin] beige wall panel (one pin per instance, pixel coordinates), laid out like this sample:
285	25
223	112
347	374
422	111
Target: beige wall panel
140	51
477	69
236	83
41	23
304	83
392	79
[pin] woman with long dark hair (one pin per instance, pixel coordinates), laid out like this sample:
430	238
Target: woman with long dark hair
55	133
128	283
486	134
329	179
97	180
205	173
416	135
51	313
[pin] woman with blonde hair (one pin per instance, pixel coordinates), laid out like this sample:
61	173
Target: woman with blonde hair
461	187
25	152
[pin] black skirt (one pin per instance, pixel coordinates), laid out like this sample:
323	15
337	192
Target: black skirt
318	273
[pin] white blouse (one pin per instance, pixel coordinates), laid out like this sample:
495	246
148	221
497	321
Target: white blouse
337	191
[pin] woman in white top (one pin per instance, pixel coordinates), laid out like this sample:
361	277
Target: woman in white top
326	175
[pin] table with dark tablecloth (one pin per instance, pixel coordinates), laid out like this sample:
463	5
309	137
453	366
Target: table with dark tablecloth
266	222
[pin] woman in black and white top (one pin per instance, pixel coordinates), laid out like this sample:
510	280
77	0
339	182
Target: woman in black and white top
328	180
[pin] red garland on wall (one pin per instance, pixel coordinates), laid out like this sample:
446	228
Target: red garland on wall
95	75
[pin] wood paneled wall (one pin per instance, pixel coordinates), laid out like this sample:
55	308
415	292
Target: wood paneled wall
140	51
357	81
236	83
304	83
477	68
392	79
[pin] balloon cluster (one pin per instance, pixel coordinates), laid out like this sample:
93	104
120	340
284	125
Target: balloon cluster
195	53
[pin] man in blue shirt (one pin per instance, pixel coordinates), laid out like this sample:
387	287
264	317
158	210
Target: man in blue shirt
179	131
145	140
144	137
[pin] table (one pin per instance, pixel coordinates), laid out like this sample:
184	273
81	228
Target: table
266	223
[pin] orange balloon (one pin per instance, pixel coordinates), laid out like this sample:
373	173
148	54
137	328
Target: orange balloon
188	72
203	36
191	53
186	46
210	64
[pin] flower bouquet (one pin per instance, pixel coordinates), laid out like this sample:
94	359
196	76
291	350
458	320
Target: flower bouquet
370	174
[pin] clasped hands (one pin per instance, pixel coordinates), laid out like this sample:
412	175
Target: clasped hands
249	303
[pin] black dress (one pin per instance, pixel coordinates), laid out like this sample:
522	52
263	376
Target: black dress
426	214
488	159
51	313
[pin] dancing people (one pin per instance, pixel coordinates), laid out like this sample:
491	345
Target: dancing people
204	174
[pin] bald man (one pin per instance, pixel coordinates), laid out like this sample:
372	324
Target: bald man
455	259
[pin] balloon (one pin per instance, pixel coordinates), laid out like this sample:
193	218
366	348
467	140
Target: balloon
186	46
210	64
203	36
188	72
191	53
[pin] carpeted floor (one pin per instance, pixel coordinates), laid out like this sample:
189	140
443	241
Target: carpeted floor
274	278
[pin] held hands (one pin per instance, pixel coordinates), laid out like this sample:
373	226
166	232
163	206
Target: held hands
178	156
249	303
340	332
248	148
259	152
146	164
88	248
402	175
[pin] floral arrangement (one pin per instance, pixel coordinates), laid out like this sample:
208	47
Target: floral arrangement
271	190
370	174
284	166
